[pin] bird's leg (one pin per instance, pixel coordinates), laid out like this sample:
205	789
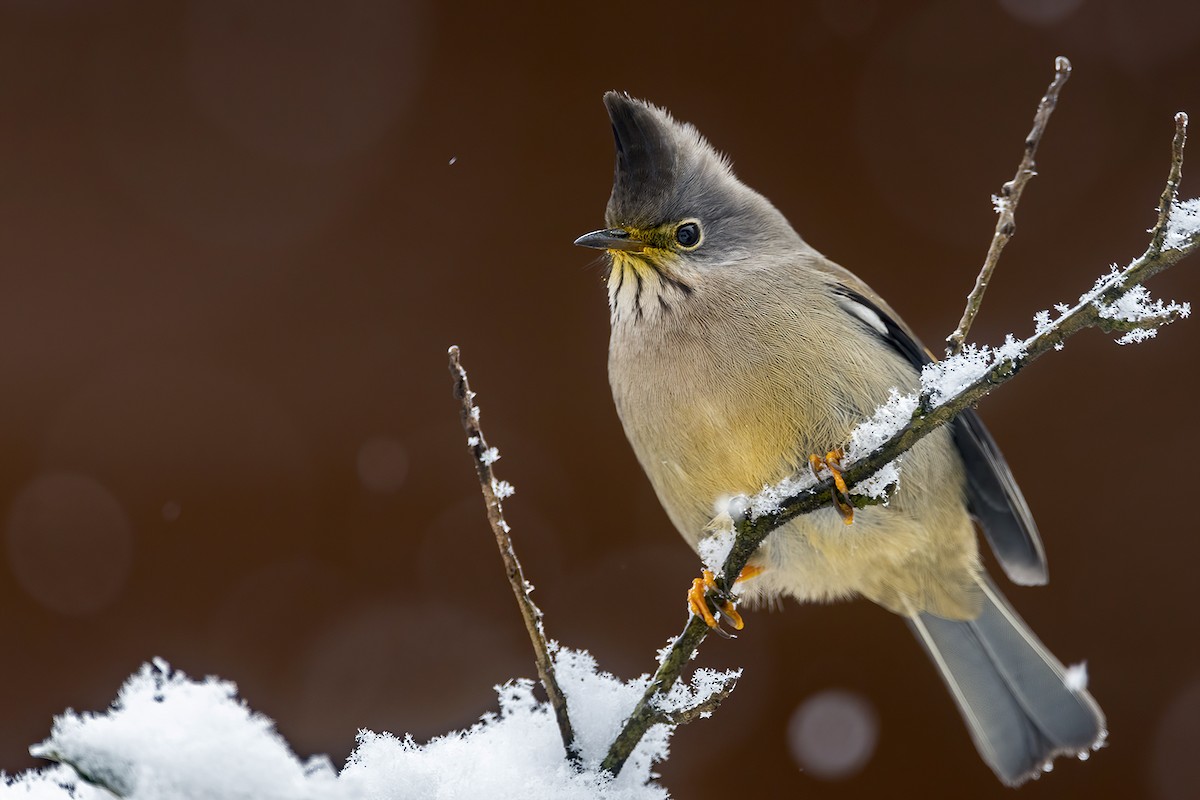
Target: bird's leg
841	493
698	596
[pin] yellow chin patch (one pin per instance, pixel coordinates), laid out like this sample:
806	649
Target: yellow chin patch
641	262
651	264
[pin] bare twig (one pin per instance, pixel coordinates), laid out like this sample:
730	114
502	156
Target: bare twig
1169	242
1006	205
701	709
1170	195
493	492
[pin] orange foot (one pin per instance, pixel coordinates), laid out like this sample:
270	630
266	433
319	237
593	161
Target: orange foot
841	495
698	596
750	571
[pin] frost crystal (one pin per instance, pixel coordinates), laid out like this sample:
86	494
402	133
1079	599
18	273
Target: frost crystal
887	420
881	483
1137	306
1138	335
942	380
490	456
703	686
1184	225
714	548
503	489
769	498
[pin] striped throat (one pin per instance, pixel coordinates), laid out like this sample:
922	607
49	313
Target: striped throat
642	287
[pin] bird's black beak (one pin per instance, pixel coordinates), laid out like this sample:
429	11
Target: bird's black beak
610	239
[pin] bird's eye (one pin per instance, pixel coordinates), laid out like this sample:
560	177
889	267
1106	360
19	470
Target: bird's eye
688	234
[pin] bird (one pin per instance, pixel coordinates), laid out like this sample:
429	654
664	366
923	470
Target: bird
737	352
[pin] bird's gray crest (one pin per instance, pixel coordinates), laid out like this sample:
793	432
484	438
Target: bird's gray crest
660	162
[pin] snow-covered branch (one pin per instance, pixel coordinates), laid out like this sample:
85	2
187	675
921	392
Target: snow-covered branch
171	736
1117	302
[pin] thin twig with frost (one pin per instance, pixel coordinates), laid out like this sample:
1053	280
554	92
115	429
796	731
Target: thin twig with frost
702	707
493	493
1117	301
1006	205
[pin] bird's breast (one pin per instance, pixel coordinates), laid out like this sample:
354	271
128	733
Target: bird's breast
718	408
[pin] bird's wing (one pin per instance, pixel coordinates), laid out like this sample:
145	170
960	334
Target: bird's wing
992	493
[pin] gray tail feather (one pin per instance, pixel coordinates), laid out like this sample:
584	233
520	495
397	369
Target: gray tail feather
1010	690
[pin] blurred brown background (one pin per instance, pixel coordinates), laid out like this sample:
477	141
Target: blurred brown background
237	239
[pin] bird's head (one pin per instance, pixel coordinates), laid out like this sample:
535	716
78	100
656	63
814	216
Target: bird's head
677	211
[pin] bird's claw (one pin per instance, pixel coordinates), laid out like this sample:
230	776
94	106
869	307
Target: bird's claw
698	597
841	493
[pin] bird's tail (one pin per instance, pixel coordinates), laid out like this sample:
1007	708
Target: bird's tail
1011	690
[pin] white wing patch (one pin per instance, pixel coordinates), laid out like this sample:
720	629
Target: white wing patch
865	314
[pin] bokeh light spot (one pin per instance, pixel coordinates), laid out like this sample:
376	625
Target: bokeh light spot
171	511
69	543
382	464
832	735
1175	772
